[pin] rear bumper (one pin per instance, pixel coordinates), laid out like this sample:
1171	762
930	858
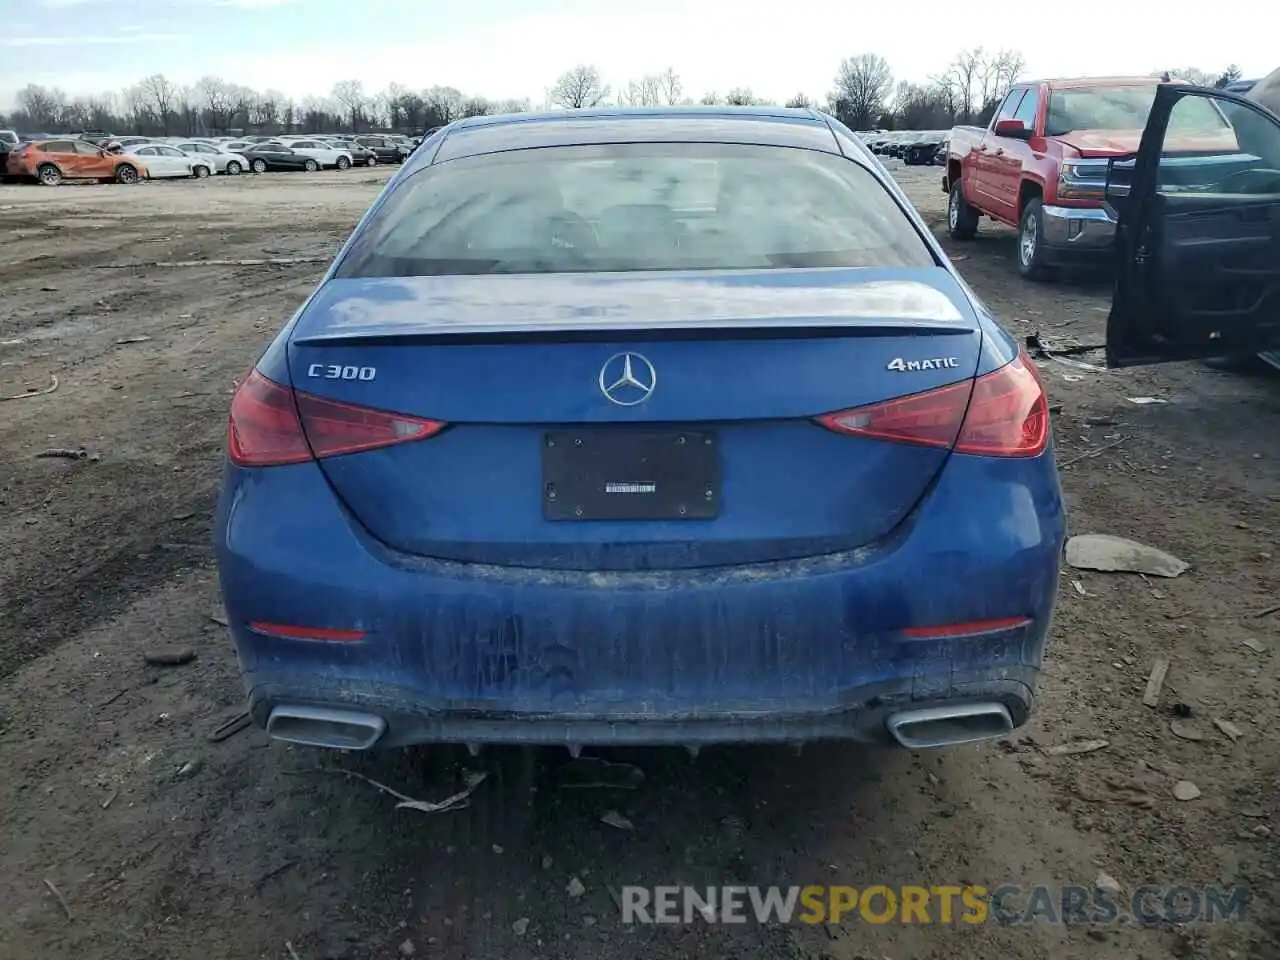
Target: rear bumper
785	651
408	718
1078	234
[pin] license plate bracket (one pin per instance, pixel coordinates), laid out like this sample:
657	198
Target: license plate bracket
630	475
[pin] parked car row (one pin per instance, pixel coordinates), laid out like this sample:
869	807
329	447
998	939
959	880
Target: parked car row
49	160
910	146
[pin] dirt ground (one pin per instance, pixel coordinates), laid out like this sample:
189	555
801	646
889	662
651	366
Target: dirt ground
160	843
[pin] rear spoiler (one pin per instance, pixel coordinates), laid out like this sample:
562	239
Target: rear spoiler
609	331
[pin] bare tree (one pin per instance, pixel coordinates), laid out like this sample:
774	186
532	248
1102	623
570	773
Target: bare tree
410	108
314	112
920	108
863	86
391	100
42	105
961	81
670	89
90	113
218	98
645	92
519	105
102	111
944	91
862	97
187	110
242	99
741	97
349	95
76	115
1004	69
443	105
134	108
579	87
711	99
266	110
160	94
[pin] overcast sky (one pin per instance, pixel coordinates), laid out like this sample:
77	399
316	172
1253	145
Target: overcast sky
515	48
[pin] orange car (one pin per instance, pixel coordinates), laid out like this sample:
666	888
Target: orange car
51	161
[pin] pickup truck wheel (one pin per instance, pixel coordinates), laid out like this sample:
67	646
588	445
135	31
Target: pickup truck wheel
962	219
1031	256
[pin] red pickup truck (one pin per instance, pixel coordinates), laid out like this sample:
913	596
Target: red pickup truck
1041	165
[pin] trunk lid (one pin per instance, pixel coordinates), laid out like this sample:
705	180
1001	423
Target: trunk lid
740	362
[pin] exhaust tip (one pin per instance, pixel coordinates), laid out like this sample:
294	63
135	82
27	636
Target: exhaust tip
325	727
947	726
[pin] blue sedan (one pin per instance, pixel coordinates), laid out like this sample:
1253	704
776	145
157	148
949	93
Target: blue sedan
645	427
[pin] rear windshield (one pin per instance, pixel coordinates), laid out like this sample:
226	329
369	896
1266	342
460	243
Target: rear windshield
625	207
1123	108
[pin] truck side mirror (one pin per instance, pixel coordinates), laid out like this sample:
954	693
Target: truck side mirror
1015	129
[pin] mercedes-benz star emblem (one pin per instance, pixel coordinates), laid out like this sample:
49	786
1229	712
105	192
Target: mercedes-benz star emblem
627	379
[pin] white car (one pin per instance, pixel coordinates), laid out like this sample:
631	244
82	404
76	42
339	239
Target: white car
323	153
162	160
223	160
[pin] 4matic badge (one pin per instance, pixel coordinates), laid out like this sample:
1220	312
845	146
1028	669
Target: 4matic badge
933	363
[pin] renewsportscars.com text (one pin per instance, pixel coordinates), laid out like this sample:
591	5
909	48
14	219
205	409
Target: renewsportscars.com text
1008	904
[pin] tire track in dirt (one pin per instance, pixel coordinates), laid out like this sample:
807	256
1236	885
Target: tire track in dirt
87	535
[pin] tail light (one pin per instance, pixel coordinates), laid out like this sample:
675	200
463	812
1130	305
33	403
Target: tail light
1002	414
272	425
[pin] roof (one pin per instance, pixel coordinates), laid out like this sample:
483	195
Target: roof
1083	82
769	126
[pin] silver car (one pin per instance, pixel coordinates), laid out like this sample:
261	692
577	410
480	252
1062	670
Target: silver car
223	160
